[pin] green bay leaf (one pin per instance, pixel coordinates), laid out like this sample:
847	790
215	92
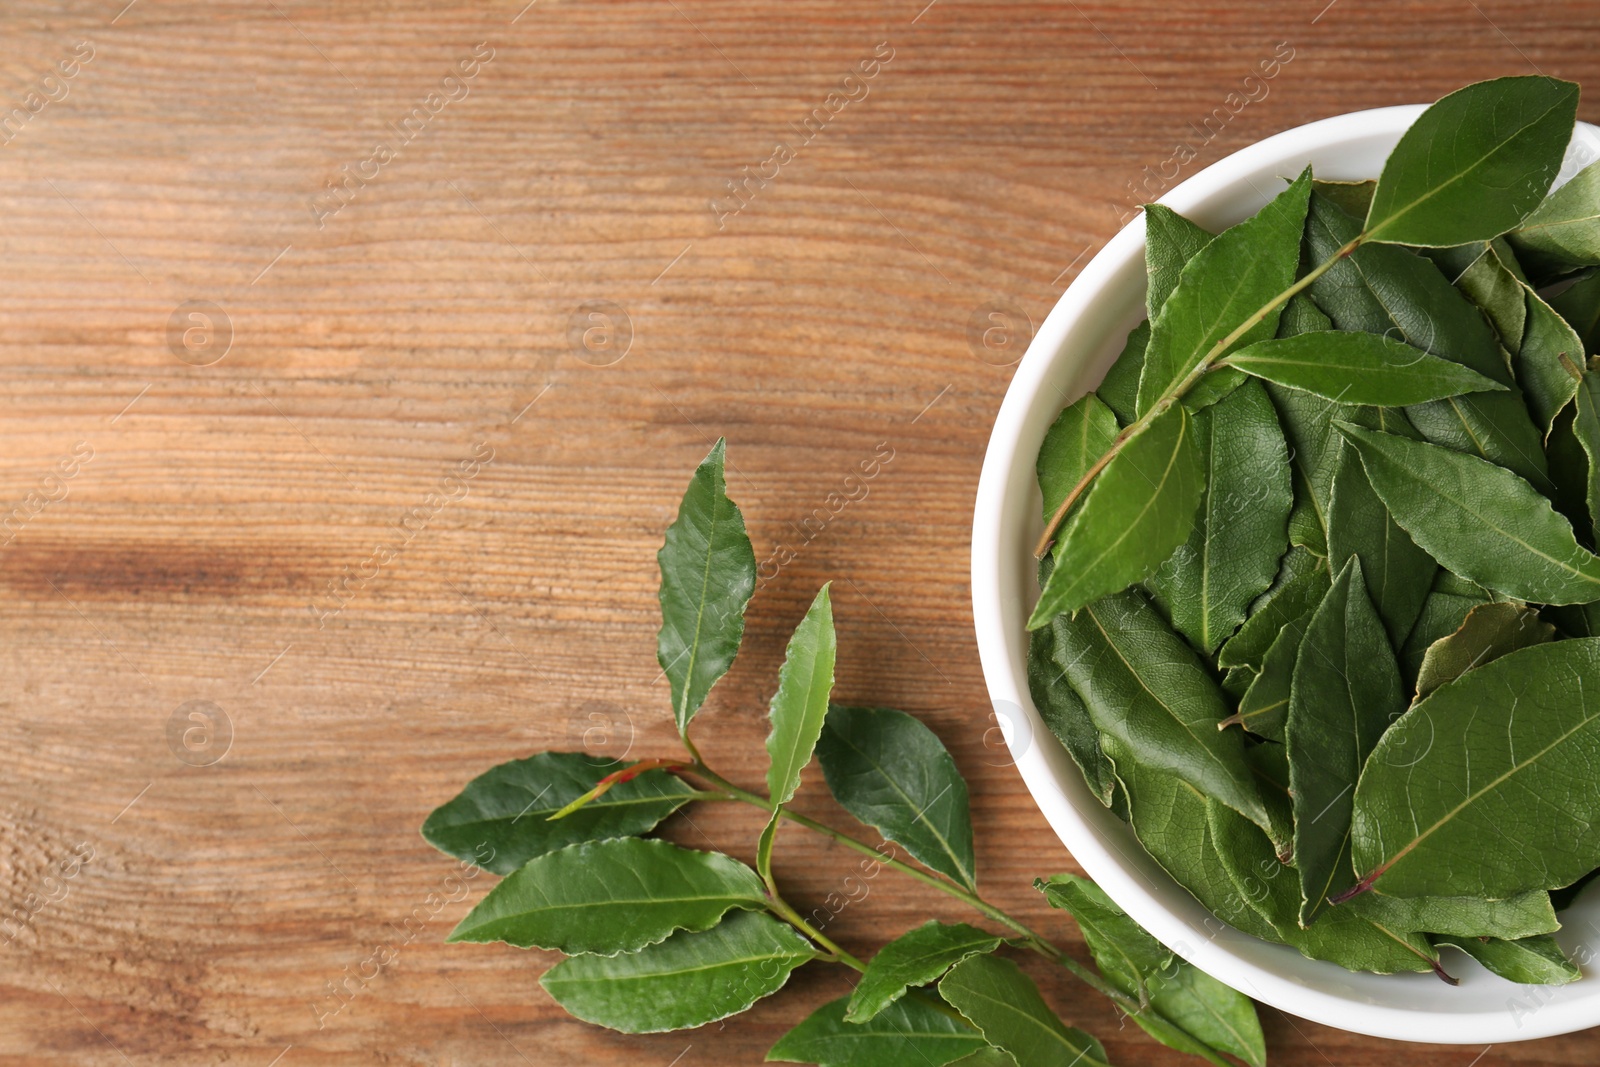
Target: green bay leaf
1226	283
1062	709
1005	1005
1442	615
1119	389
1530	960
1488	632
1392	291
1272	889
801	702
1489	282
1504	754
1477	519
1563	232
502	818
1170	242
1549	361
1355	198
1169	817
606	897
1397	573
891	772
1081	434
1523	915
1358	368
1154	702
1346	691
1579	305
708	573
1186	1009
915	958
1475	164
1301	581
911	1031
1139	508
1241	527
690	979
1264	707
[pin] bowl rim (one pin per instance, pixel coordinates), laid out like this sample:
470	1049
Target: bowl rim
1321	992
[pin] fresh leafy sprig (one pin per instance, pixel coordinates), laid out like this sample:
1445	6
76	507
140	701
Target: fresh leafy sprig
659	937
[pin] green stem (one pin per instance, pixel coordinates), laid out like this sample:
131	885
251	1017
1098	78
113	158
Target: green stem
1030	938
1174	392
785	911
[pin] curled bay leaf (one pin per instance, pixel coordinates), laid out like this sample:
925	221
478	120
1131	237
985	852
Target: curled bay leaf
1488	632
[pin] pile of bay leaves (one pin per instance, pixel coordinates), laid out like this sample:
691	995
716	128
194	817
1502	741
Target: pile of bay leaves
1321	619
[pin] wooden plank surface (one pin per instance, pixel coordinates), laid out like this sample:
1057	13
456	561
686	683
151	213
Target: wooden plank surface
176	521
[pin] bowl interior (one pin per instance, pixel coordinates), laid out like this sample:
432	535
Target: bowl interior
1069	355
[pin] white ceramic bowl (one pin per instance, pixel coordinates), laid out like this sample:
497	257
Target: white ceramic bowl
1068	356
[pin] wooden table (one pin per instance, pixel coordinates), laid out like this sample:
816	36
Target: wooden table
243	343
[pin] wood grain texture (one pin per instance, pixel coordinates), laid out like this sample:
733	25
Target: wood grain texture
190	558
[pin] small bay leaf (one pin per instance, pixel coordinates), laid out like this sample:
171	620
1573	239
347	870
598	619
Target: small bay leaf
708	573
915	958
1005	1005
891	772
801	702
502	818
